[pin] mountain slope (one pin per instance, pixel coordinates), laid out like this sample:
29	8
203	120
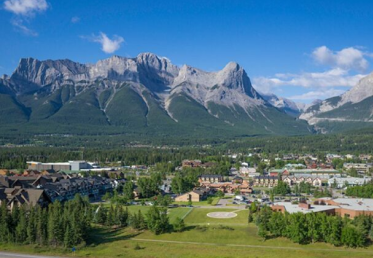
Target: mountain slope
142	95
348	111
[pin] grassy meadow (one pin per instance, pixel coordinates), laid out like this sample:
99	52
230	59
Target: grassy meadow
203	237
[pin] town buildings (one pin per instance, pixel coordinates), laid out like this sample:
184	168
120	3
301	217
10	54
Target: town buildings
211	178
342	182
362	168
216	183
196	195
311	179
265	181
191	163
43	189
312	172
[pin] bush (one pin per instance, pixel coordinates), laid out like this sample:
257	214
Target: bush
179	225
219	194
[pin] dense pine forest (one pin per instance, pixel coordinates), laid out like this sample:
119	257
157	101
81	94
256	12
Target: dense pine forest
70	224
106	149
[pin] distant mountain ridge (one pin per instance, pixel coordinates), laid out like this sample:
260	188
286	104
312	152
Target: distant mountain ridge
351	110
145	94
288	106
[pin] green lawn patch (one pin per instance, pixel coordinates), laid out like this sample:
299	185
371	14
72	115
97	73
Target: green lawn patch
201	203
199	217
196	241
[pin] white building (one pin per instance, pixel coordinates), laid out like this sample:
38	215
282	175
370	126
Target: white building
350	181
360	167
247	171
297	179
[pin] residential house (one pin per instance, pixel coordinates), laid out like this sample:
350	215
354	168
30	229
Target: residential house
265	181
191	163
196	195
211	178
297	179
18	196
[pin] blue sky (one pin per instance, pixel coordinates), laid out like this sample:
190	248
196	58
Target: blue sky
297	49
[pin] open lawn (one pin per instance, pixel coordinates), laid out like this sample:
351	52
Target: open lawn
212	241
203	237
199	217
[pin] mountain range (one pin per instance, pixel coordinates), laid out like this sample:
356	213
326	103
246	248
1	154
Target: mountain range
148	95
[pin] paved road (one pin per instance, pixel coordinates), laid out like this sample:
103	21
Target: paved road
15	255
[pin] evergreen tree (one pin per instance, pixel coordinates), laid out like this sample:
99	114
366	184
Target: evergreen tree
31	230
128	190
101	215
21	229
68	238
4	223
157	220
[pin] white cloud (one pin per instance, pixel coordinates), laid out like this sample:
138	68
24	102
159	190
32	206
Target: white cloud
318	94
347	68
25	7
75	19
107	45
19	25
24	11
333	78
348	58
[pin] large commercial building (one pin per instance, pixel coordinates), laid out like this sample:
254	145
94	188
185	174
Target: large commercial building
345	207
62	166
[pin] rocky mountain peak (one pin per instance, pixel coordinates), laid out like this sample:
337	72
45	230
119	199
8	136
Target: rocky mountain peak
363	89
232	66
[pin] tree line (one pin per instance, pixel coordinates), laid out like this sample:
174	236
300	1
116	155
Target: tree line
155	219
69	224
65	224
361	191
313	227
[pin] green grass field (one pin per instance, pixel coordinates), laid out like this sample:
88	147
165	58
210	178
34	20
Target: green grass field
199	217
201	203
237	239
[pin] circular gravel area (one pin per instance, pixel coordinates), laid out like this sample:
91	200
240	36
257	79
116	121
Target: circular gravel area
221	215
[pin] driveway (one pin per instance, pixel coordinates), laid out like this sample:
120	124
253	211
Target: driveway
224	202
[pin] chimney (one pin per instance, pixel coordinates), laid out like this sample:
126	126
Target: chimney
304	205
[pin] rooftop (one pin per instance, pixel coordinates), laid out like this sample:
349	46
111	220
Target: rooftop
294	208
358	204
